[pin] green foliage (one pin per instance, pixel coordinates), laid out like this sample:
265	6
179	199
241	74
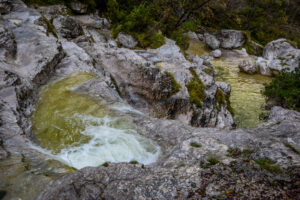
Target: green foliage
175	86
152	40
196	89
105	164
285	89
181	39
268	165
195	144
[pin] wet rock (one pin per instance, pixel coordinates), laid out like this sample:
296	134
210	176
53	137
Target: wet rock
231	39
248	67
5	6
78	7
211	41
127	41
67	27
216	53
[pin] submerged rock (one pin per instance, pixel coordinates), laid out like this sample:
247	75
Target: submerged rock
248	67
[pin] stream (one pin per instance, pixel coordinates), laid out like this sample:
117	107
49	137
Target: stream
246	98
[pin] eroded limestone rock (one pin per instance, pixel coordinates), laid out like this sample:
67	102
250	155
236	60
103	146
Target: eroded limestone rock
248	67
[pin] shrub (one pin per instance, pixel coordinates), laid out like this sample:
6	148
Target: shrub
196	89
285	89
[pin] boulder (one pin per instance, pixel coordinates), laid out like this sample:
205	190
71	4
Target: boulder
211	41
262	66
67	27
5	6
248	67
127	40
278	55
282	55
231	39
78	7
216	53
192	35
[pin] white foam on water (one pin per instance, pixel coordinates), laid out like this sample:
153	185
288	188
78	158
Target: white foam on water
107	144
110	145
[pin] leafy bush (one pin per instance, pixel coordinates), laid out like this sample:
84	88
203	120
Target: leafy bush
285	89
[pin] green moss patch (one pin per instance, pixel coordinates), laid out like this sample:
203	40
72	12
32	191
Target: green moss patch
50	27
268	165
196	90
195	144
212	160
175	85
292	148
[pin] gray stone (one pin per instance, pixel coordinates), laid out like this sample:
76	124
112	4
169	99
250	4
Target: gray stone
192	35
211	41
216	53
93	20
127	40
248	67
67	27
231	39
282	55
262	66
8	46
278	55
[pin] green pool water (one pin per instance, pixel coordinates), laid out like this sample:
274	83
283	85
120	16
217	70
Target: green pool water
79	131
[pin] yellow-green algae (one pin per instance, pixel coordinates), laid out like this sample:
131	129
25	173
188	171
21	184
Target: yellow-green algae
55	121
246	99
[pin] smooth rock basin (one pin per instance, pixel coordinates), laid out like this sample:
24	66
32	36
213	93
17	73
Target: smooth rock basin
246	98
80	132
